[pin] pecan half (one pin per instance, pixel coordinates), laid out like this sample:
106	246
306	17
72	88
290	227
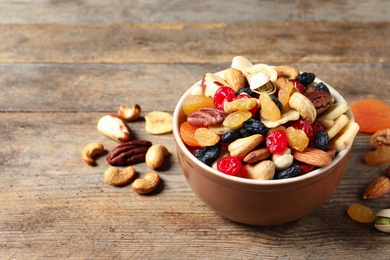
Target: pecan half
128	153
206	116
380	137
321	100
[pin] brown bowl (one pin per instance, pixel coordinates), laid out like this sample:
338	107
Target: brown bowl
258	202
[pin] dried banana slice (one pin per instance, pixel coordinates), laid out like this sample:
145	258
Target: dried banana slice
334	111
339	123
345	137
304	106
158	122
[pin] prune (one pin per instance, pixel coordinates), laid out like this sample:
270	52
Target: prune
321	140
291	172
322	87
276	101
247	91
255	127
306	78
231	136
209	154
245	133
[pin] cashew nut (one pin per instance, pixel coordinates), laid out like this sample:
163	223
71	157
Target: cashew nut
146	185
129	113
119	177
287	71
304	106
264	170
90	150
155	156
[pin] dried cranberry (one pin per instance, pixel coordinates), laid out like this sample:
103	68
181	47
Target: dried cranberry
306	126
230	165
277	142
304	168
317	127
221	95
301	88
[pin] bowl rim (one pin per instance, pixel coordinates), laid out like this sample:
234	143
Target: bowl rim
313	175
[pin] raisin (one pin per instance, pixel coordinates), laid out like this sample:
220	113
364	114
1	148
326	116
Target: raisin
269	110
321	140
276	101
306	78
209	154
245	133
255	127
206	137
360	213
291	172
322	87
234	120
246	90
231	136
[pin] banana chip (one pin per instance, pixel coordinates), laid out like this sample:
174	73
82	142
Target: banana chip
158	122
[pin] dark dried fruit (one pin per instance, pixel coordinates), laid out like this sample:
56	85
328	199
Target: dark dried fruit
247	91
321	140
245	133
231	136
276	101
291	172
322	87
255	127
209	154
306	78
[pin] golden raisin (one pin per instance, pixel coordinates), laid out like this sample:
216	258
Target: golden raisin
234	120
269	110
206	137
297	139
361	213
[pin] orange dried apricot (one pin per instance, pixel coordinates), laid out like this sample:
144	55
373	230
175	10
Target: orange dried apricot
371	115
194	102
187	134
360	213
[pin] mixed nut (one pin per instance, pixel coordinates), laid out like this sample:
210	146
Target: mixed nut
131	151
260	114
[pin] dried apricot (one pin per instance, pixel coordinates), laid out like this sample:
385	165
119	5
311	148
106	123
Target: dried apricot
360	213
371	115
194	102
206	137
187	134
379	156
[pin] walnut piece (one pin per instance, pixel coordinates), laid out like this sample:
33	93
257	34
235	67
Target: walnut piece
206	116
128	153
321	100
380	138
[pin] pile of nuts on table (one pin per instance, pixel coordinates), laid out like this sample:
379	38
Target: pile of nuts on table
262	122
131	151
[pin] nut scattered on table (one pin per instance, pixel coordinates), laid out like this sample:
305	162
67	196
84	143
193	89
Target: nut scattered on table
382	220
377	188
115	128
119	177
155	156
146	185
129	113
90	151
128	153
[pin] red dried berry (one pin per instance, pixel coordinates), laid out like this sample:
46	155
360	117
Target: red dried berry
223	94
305	126
298	85
305	168
317	127
277	142
230	165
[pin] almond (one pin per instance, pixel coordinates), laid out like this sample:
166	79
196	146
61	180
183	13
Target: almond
377	188
313	156
235	78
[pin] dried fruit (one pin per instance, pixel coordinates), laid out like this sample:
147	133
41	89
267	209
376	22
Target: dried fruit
236	119
243	104
360	213
208	154
187	134
231	136
291	172
297	138
230	165
206	137
377	188
269	110
255	126
285	92
379	156
194	102
277	141
306	126
371	115
158	122
306	78
321	140
222	95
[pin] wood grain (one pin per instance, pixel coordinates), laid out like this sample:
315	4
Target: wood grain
195	43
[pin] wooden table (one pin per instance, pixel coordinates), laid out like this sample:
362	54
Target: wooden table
65	64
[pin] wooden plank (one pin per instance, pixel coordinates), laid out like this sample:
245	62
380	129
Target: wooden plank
104	87
54	205
149	11
196	43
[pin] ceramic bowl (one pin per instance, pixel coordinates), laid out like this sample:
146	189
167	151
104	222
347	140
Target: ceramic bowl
258	202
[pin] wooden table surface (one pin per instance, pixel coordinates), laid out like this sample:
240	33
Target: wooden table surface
65	64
